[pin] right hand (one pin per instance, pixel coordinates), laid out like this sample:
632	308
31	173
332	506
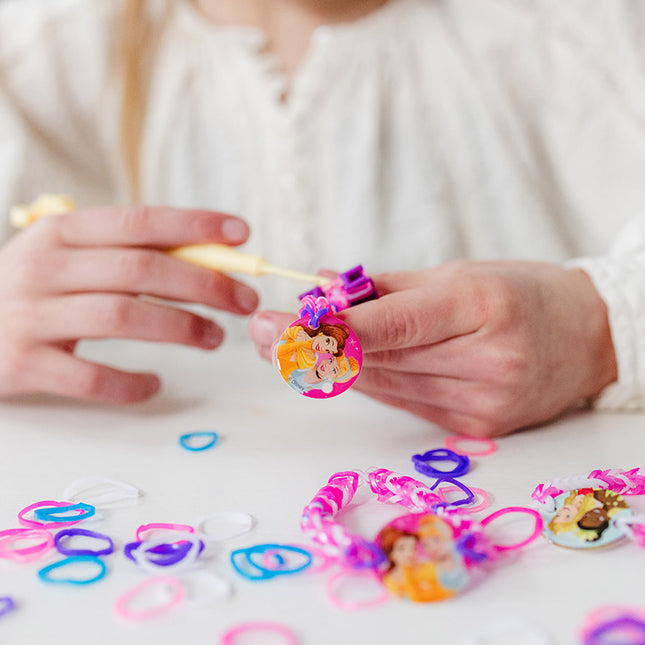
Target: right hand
80	275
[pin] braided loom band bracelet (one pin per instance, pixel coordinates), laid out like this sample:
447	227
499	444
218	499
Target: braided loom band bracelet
228	525
162	526
29	553
244	563
68	533
454	442
43	574
346	575
7	605
122	609
151	565
187	440
164	554
41	525
102	491
589	511
53	513
230	637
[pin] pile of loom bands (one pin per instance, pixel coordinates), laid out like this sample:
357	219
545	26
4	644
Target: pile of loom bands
318	519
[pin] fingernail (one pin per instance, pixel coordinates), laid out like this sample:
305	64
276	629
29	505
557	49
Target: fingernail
234	230
245	298
264	329
213	335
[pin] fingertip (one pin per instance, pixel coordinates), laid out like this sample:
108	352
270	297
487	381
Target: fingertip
143	388
235	230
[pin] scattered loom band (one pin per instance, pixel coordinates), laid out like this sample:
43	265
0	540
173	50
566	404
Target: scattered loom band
422	463
483	495
65	534
230	637
537	530
122	609
634	527
163	555
37	524
162	526
352	605
7	605
29	553
187	442
43	574
453	443
53	513
600	624
244	563
102	491
244	520
151	565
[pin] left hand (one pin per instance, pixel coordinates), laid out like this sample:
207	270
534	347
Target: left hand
479	348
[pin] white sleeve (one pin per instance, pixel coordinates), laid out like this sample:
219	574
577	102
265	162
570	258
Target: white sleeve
619	277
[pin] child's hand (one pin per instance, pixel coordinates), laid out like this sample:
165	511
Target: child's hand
480	348
80	275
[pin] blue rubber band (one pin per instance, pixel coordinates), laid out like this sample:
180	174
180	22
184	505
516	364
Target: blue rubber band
52	513
84	532
422	463
43	574
7	605
264	573
184	440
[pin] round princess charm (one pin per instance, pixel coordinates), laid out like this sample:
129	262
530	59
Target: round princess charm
423	562
584	518
318	355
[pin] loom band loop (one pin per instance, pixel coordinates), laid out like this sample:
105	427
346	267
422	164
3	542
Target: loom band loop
630	626
162	526
466	544
244	563
7	605
53	513
67	533
122	609
43	574
539	525
362	554
633	527
42	525
452	443
25	554
422	463
187	440
163	554
244	521
90	490
219	588
470	496
352	605
230	637
479	492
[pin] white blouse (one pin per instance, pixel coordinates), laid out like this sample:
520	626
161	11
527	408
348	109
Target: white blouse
428	130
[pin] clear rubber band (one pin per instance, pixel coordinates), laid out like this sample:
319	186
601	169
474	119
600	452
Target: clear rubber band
245	521
483	495
90	489
354	605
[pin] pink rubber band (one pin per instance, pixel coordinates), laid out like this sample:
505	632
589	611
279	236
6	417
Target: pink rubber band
144	528
179	593
350	605
317	554
29	553
228	638
41	525
452	443
441	490
539	525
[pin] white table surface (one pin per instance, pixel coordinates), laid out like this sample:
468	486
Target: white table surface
276	450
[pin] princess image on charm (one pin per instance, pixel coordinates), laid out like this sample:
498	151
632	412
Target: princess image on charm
584	518
318	362
423	562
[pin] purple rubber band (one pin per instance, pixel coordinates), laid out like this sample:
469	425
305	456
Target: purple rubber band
170	553
65	533
7	605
